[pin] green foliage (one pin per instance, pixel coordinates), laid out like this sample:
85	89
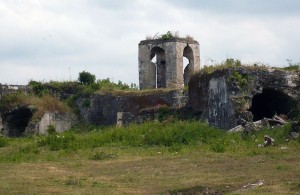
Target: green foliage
102	156
63	89
278	133
218	146
292	66
12	100
38	88
164	113
107	84
73	181
241	79
51	129
27	152
230	62
86	103
156	134
86	78
65	141
3	142
294	114
175	137
168	35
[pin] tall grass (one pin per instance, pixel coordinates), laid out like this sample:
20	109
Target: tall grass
173	136
167	135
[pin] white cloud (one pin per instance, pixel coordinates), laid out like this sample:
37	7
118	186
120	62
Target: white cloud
42	39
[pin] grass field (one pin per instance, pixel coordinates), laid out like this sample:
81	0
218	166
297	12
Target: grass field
153	158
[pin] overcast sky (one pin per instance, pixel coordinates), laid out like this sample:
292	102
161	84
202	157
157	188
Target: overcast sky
56	39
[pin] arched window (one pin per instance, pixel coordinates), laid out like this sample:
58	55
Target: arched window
158	59
188	64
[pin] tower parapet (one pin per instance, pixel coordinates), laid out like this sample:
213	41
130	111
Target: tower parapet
161	63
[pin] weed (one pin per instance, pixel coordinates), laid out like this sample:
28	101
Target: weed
240	79
38	88
65	141
168	35
51	129
23	153
218	147
292	66
175	148
281	167
12	100
102	156
72	181
3	142
86	103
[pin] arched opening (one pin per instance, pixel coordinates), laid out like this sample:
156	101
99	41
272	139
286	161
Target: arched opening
158	59
269	103
188	64
17	121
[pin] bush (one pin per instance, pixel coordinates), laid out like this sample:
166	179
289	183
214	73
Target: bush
51	129
12	100
38	88
156	134
168	35
86	78
54	142
3	142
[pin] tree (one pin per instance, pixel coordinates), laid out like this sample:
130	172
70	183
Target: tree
86	78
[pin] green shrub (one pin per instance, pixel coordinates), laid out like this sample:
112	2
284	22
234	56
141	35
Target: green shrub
64	141
292	66
241	79
38	88
230	62
86	78
168	35
12	100
3	142
218	147
159	134
51	129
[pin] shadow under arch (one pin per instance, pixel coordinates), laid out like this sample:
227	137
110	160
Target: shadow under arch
271	102
17	121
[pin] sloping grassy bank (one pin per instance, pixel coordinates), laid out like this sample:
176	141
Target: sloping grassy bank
149	158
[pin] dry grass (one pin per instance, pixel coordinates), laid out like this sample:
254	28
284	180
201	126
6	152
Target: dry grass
44	104
135	92
156	171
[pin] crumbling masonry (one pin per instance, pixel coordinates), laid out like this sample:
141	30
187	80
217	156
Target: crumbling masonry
161	63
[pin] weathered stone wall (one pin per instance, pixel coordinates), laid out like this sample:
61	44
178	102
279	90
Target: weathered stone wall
104	109
8	89
1	125
224	97
19	121
169	72
61	122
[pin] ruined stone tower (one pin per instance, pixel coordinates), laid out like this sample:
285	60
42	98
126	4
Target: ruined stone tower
161	63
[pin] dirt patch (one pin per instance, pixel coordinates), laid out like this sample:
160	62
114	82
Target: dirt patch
200	190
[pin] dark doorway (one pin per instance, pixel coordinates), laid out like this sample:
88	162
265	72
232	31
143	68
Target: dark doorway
269	103
17	121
